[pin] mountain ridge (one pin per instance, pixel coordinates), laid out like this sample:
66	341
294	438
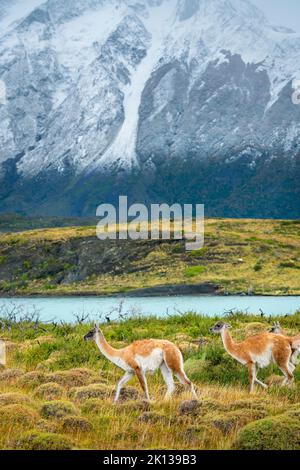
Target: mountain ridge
126	92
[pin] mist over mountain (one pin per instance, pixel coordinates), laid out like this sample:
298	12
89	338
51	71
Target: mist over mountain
162	100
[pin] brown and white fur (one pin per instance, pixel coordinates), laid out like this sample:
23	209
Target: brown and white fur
277	330
141	357
258	351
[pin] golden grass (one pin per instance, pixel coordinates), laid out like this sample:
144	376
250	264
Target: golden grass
98	424
71	405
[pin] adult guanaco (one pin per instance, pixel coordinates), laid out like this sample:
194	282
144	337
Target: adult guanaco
277	330
141	357
259	351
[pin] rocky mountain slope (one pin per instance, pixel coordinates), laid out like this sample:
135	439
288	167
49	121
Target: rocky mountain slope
163	100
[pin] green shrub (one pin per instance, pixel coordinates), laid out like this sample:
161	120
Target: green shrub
27	265
252	404
32	379
151	417
17	415
129	393
254	328
289	264
216	366
194	366
74	424
193	271
293	411
209	405
49	391
258	265
232	420
273	433
48	286
13	399
10	375
91	391
35	353
35	440
93	406
201	434
72	378
57	409
199	253
45	425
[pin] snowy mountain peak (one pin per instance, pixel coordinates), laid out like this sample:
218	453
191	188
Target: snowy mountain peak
113	85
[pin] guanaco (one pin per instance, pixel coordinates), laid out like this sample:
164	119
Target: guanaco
277	330
141	357
259	351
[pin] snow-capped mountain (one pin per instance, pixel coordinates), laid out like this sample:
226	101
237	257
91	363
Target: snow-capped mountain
164	99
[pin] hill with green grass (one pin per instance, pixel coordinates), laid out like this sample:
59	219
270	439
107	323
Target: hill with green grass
238	257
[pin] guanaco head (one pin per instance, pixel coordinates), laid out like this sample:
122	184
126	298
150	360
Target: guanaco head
91	334
218	327
276	328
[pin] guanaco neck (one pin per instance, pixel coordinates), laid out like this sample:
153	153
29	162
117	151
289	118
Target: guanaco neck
228	342
108	351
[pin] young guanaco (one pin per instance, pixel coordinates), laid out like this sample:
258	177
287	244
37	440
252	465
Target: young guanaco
259	351
141	357
277	330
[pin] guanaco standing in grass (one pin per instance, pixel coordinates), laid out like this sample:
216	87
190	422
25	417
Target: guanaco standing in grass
277	330
259	350
141	357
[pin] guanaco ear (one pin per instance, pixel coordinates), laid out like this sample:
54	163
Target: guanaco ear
96	327
228	326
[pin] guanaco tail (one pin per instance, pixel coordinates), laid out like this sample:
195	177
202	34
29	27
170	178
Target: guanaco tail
141	357
277	330
259	351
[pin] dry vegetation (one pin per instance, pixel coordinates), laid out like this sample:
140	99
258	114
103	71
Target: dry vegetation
56	392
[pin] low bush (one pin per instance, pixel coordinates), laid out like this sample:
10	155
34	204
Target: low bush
232	420
13	398
49	391
57	409
72	378
10	375
193	271
273	433
32	379
35	440
74	424
18	415
90	391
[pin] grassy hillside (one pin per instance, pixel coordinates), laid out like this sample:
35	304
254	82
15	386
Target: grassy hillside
56	392
239	256
19	223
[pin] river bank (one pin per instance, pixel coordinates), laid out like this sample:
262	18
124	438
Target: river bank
69	309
